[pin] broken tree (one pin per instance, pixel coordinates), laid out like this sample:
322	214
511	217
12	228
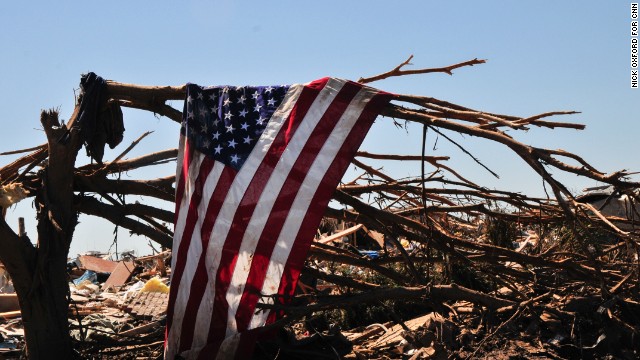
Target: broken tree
438	214
39	272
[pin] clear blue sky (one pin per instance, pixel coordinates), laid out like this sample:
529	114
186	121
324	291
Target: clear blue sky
542	56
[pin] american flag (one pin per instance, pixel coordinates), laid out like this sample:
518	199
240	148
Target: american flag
256	169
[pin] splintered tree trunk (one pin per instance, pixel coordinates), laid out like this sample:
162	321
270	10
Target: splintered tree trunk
39	272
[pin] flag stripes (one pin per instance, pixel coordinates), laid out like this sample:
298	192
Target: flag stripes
242	234
307	175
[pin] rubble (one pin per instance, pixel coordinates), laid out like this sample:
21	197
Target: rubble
103	313
96	264
120	274
457	321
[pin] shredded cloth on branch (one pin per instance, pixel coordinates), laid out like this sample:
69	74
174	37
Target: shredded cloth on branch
256	169
101	121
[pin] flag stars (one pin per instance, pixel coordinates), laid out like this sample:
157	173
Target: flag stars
226	122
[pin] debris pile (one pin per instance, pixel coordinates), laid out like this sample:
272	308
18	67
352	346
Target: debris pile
115	306
483	283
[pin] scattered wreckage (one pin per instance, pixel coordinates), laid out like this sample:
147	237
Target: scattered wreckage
111	302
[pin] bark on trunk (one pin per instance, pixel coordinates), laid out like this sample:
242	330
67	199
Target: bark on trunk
39	272
44	312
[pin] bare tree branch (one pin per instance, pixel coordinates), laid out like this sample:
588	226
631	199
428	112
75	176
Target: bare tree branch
397	71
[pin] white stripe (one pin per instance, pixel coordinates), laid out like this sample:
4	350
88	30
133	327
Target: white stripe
228	348
189	186
187	191
229	207
195	246
303	199
186	196
270	194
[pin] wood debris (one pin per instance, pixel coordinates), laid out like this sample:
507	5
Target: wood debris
97	264
98	309
120	274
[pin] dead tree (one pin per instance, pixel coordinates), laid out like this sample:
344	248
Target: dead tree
39	272
437	212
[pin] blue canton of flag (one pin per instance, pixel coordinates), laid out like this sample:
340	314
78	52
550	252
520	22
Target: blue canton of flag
226	122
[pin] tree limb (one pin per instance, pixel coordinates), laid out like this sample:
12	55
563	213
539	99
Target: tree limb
117	215
397	71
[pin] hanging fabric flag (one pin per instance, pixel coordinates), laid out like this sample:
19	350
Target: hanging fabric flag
257	167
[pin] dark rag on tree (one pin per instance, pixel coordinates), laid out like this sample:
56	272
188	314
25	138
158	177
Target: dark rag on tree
101	121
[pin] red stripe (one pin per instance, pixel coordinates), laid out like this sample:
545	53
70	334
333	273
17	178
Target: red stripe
192	216
200	277
218	325
321	198
286	197
182	179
